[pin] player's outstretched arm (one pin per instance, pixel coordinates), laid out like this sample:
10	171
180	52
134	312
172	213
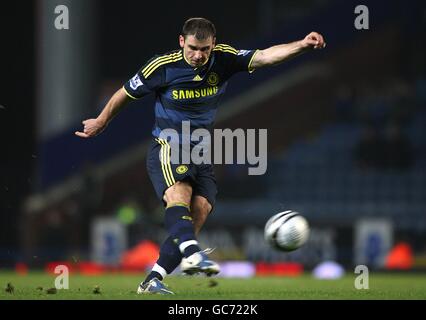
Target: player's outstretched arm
93	127
283	52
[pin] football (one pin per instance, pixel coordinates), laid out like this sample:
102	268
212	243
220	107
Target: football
287	231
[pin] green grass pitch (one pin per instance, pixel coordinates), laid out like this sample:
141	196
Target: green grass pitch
121	286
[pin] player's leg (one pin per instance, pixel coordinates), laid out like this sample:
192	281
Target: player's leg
161	175
200	210
177	197
178	219
170	184
204	195
203	199
182	239
180	225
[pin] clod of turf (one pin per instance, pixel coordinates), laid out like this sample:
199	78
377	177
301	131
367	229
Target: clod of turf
96	290
51	291
39	288
213	283
9	288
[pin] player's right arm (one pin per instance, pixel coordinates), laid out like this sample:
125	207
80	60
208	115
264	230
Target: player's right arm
93	127
147	80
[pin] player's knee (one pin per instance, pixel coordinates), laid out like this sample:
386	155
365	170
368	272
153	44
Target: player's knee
180	192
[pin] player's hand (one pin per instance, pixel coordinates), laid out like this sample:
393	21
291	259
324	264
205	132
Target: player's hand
313	41
92	127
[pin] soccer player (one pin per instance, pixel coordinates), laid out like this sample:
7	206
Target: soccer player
188	84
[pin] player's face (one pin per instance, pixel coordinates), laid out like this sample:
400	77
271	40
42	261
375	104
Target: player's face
196	52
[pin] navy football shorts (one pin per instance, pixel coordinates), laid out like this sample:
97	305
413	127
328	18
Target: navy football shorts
163	173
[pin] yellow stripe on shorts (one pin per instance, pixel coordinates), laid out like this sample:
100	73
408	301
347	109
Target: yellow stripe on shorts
165	162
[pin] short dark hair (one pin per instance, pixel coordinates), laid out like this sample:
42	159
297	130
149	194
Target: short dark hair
201	28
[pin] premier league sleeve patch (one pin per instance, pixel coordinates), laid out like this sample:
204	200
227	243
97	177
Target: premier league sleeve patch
243	52
136	82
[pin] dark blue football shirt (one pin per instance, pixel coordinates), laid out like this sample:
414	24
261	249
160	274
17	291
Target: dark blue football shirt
185	93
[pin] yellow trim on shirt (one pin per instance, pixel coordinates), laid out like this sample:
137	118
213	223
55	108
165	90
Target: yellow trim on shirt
250	69
154	65
129	95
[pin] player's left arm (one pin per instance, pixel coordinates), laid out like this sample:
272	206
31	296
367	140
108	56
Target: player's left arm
283	52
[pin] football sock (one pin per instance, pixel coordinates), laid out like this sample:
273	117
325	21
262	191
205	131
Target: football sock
170	255
156	272
178	222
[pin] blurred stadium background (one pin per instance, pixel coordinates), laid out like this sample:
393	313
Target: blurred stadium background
346	135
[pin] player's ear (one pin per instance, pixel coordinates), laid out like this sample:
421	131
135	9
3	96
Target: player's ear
214	42
181	41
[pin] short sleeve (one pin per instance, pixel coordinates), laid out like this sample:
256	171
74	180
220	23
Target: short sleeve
148	79
244	60
237	60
